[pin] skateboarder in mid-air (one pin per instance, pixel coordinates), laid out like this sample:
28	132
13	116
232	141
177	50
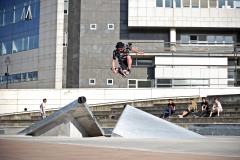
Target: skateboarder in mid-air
124	59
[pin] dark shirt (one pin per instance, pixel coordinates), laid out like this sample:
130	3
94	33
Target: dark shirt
121	55
172	105
205	105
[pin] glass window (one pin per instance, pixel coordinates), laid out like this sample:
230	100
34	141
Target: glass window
109	81
1	19
229	39
237	3
184	39
159	3
212	3
18	15
24	77
132	83
181	82
221	3
202	38
211	39
178	3
204	3
193	38
110	26
144	62
169	3
231	74
35	75
231	62
65	38
33	42
164	81
195	3
219	39
8	18
16	78
93	26
144	84
17	45
7	47
91	81
65	6
0	48
32	76
25	43
186	3
230	3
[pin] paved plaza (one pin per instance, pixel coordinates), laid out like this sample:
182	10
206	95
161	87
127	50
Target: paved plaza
103	148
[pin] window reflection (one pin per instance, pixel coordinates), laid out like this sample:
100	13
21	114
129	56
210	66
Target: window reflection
20	77
19	25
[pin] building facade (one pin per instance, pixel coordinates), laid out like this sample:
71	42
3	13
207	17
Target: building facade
69	43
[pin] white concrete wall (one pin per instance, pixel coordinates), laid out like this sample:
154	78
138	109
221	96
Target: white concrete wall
145	13
15	100
192	61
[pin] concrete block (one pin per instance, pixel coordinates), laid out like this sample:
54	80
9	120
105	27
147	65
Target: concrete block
75	119
135	123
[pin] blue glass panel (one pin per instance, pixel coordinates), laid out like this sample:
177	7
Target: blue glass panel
221	3
37	9
18	36
1	5
4	31
8	5
17	45
25	43
32	76
8	18
18	4
18	14
16	78
159	3
36	23
0	48
7	47
18	27
1	19
24	77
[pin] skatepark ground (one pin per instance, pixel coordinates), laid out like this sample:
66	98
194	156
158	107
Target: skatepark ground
15	147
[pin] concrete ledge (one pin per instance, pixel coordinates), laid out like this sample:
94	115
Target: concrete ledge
75	117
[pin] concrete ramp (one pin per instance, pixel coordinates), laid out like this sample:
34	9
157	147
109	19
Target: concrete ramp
73	120
135	123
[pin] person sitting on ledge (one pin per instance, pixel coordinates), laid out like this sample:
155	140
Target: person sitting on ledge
170	110
192	107
217	107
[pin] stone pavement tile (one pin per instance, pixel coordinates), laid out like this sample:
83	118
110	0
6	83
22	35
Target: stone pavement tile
28	150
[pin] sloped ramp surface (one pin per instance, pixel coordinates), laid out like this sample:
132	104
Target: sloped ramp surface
135	123
73	120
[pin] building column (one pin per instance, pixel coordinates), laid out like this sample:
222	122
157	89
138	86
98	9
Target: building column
173	39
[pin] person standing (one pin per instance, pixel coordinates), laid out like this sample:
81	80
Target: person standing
43	108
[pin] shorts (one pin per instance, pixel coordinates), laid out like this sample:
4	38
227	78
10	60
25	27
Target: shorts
123	65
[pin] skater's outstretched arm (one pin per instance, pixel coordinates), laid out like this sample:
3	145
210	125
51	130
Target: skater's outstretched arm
136	51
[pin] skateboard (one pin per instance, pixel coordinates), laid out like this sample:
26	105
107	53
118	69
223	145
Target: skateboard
124	75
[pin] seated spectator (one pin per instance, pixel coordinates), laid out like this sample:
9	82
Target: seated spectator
192	107
205	108
217	107
170	110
